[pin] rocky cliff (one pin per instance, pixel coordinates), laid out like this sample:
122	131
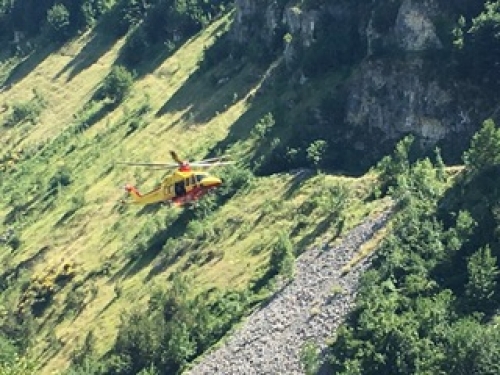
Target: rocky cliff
400	78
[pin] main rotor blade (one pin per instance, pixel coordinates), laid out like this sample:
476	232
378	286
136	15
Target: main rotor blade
163	165
213	164
210	160
175	157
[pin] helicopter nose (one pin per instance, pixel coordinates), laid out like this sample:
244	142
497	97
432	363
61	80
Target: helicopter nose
210	181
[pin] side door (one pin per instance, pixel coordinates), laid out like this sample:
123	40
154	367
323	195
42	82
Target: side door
180	188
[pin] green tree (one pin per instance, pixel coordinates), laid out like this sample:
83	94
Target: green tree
140	338
480	45
440	166
458	235
488	362
180	347
151	370
463	342
482	271
309	357
397	165
58	19
117	84
316	151
92	10
484	150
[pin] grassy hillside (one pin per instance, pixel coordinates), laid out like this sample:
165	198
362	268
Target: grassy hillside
73	259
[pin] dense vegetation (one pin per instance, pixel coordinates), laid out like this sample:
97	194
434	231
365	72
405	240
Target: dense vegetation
428	305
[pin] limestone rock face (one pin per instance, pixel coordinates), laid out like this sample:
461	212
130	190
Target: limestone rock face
393	88
414	29
245	9
395	99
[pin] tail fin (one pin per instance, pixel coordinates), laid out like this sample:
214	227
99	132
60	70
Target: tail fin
134	193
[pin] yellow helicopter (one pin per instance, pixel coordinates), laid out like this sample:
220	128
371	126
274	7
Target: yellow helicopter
184	185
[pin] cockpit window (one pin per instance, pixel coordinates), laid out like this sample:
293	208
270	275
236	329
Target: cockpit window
199	177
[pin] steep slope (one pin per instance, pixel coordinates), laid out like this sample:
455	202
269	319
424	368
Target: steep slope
79	258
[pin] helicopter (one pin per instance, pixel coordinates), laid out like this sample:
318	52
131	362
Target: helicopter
184	185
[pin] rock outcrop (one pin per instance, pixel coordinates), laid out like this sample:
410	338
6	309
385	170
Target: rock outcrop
397	83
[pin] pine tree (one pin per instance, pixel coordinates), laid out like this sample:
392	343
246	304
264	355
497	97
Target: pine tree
483	272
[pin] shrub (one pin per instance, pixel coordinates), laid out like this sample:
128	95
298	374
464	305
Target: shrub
309	358
282	260
117	84
8	351
27	111
264	126
61	178
14	242
316	152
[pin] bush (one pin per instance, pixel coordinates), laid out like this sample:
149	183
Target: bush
8	351
61	178
264	126
14	242
117	84
234	178
282	260
316	152
309	358
28	111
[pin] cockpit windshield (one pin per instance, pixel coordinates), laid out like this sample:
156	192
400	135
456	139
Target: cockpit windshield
199	177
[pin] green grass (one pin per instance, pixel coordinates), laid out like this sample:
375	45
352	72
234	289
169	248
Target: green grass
83	223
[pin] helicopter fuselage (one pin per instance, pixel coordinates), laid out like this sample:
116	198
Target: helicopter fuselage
180	187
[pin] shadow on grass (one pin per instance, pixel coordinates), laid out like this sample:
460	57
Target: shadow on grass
11	274
143	257
319	229
152	209
27	65
107	305
100	42
300	177
242	127
154	55
94	118
201	99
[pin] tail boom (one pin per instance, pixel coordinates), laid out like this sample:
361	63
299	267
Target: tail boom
138	198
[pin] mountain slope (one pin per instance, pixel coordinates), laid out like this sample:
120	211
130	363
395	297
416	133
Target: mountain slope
75	257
